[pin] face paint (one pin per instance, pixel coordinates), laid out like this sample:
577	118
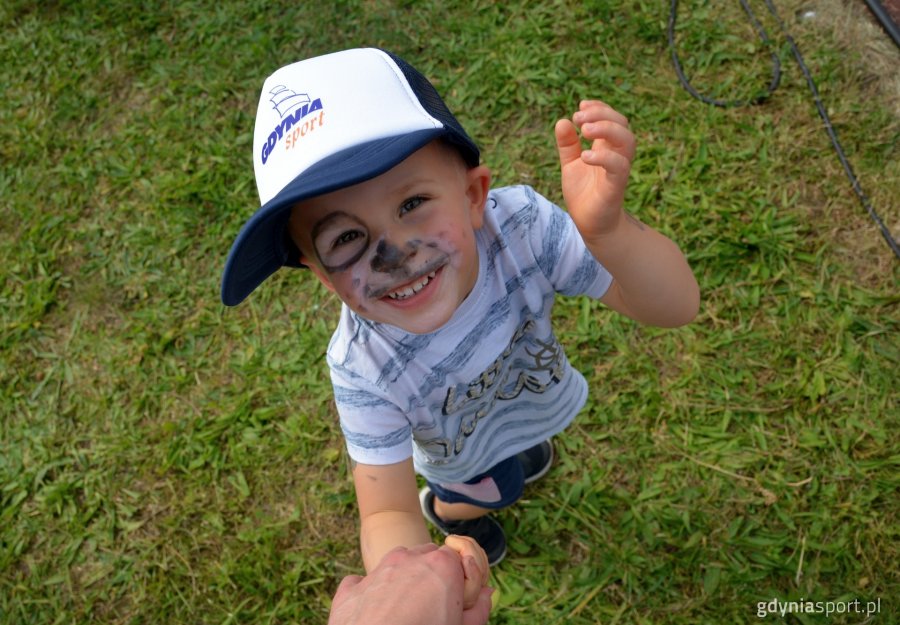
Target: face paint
390	258
339	240
390	268
399	249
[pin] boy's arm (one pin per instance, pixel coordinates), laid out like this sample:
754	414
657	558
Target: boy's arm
389	510
652	282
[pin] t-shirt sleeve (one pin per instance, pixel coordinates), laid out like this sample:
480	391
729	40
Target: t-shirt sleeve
561	253
376	431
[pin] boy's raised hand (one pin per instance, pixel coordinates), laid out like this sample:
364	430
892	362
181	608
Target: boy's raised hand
594	179
659	290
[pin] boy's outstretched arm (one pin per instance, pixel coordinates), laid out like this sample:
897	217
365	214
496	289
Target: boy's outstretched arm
389	510
652	282
390	517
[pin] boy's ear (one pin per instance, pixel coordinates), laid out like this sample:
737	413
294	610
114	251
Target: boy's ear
478	183
318	272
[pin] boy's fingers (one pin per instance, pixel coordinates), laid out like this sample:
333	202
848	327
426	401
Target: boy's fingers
474	559
588	104
612	134
460	543
568	143
612	161
594	110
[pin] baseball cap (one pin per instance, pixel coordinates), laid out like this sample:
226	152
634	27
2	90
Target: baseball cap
326	123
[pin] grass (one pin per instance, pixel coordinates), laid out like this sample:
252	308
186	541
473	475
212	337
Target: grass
163	459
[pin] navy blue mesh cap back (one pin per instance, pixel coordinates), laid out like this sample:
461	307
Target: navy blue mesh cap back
431	101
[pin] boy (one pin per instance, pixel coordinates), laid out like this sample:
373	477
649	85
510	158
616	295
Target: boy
444	362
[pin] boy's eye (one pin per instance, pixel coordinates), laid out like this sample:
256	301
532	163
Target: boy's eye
346	237
411	204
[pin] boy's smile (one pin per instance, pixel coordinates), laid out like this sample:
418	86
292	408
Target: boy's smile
399	248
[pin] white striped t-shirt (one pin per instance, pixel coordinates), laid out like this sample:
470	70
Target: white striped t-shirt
494	380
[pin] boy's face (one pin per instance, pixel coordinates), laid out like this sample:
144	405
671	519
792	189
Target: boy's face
399	248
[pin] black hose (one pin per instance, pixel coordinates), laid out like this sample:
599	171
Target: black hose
763	35
887	22
776	71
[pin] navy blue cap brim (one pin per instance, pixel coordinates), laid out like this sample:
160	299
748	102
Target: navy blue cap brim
261	246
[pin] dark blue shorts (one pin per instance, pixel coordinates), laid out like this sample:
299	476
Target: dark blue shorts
496	488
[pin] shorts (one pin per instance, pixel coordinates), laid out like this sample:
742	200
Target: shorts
498	487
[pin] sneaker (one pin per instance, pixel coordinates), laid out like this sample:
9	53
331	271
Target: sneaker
485	530
536	461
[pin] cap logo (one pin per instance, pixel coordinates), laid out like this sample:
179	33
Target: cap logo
291	107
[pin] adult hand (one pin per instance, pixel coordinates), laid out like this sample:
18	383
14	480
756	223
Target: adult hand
421	585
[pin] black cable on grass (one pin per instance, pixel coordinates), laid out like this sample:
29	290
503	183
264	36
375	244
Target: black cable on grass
884	18
776	76
761	31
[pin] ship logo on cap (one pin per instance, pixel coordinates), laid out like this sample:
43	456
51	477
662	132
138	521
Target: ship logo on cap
285	100
292	108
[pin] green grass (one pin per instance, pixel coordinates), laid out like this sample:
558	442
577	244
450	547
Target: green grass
165	460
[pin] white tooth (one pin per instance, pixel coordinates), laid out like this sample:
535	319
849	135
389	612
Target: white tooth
412	289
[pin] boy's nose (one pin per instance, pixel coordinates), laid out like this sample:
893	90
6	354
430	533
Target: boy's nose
388	257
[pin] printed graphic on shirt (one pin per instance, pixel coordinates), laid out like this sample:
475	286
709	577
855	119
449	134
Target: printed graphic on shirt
527	364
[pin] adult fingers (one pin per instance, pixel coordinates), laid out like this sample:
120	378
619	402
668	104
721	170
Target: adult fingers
479	613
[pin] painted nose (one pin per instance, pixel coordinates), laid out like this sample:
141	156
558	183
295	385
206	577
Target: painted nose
388	257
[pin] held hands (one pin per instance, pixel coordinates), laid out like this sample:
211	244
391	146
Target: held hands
412	586
594	179
475	567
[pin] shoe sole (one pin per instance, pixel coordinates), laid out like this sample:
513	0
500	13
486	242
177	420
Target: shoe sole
547	466
427	510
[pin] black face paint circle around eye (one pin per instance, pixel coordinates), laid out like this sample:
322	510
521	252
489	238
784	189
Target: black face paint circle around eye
343	266
321	225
